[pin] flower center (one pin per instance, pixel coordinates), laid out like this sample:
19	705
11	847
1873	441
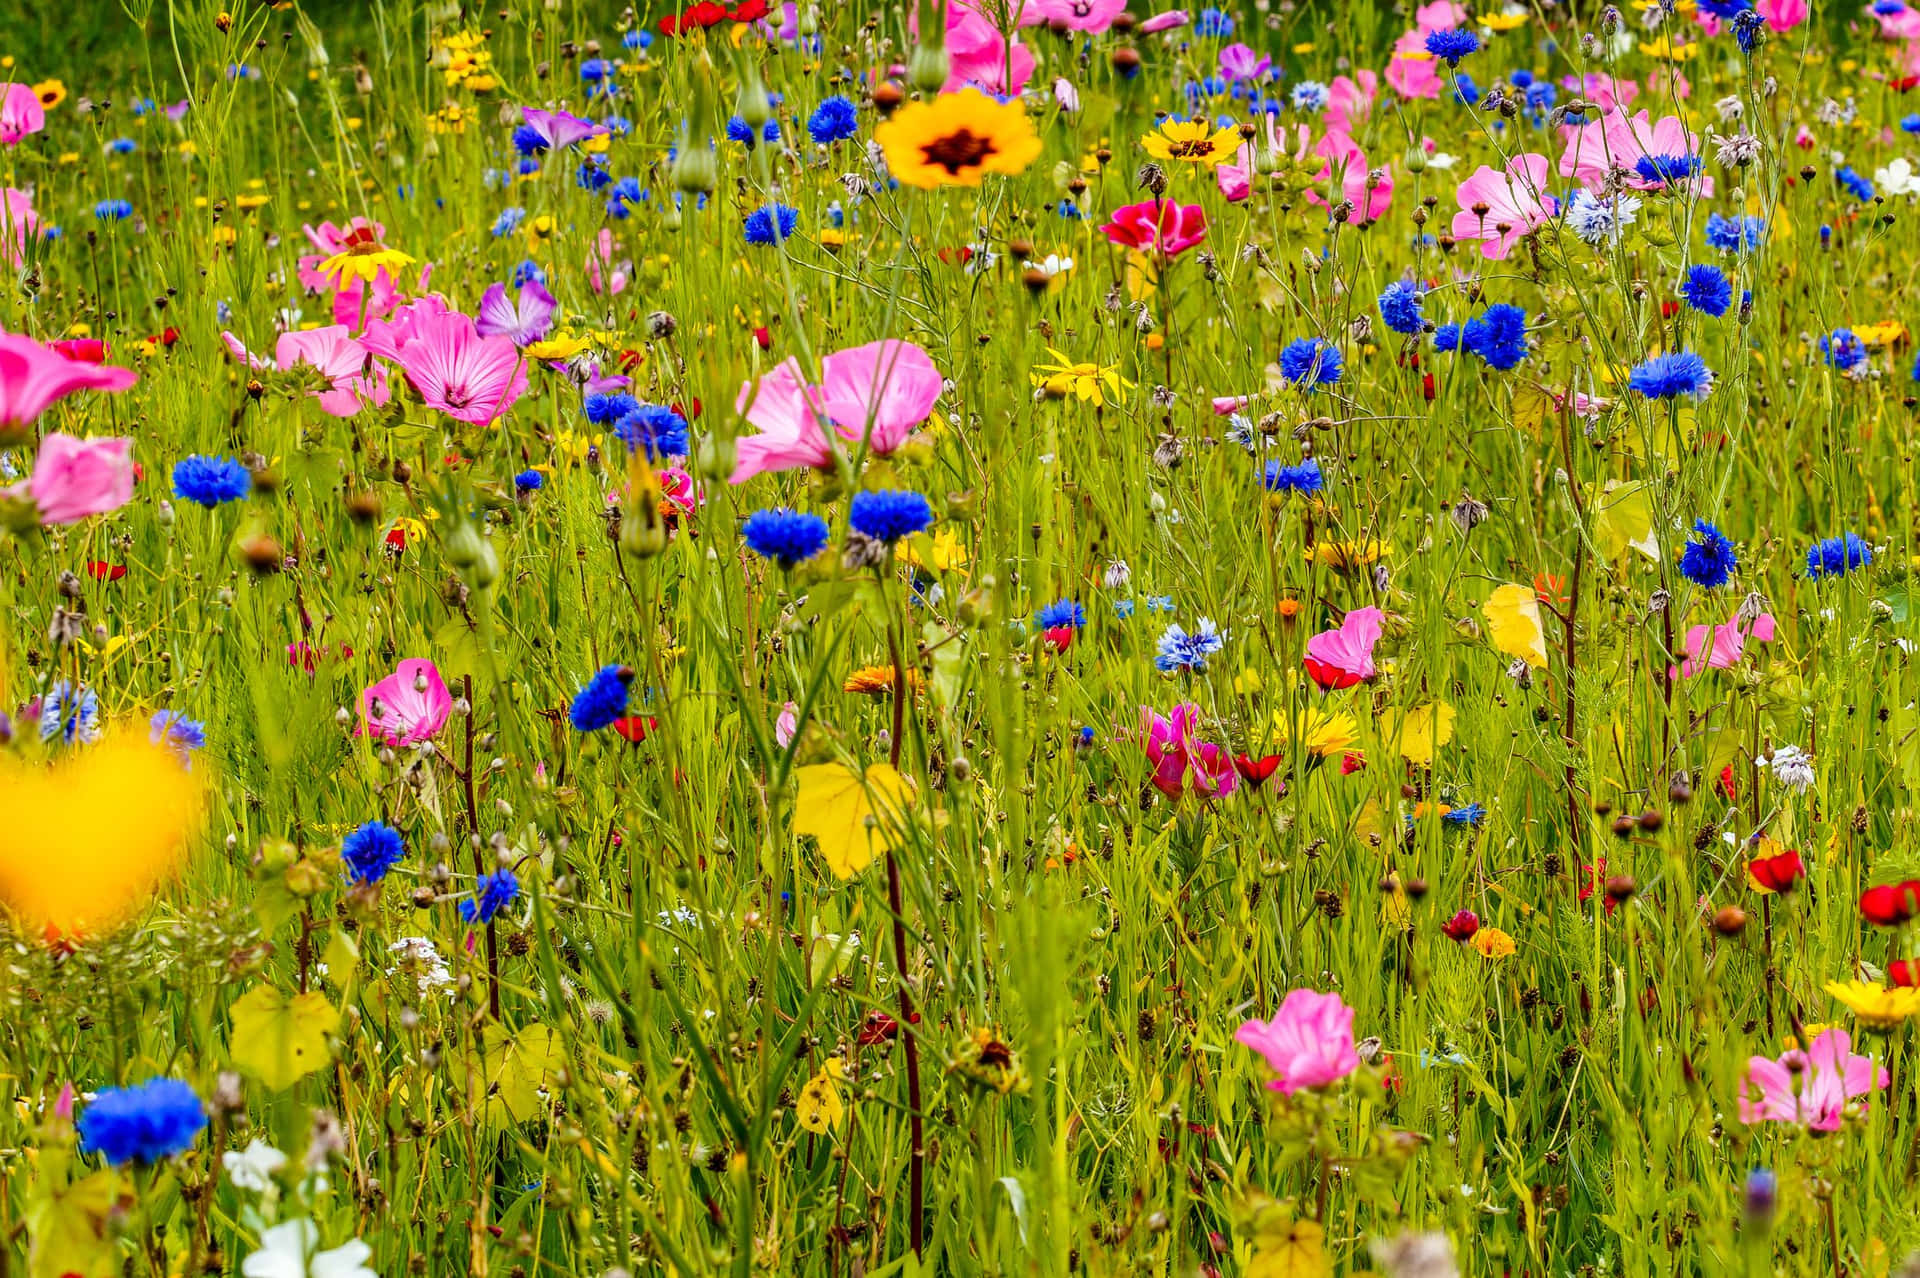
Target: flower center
961	149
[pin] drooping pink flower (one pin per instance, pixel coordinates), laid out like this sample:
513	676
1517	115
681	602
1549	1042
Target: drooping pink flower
1515	200
1308	1043
33	376
978	55
879	392
1350	100
75	478
20	114
1181	763
524	320
17	222
1343	657
1092	16
1167	21
338	357
793	428
1812	1088
468	377
1157	226
408	706
1729	643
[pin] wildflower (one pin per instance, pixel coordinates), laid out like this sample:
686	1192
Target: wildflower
1775	869
1307	1044
1601	221
1877	1008
371	850
887	515
34	377
1498	335
1709	558
956	139
875	394
113	210
603	699
1706	290
209	481
1400	307
875	680
1858	187
541	131
254	1167
71	714
456	369
1157	226
1304	479
771	223
1727	647
1310	362
834	120
74	479
1814	1088
1461	927
1498	207
360	256
177	732
492	893
1673	376
524	320
290	1249
1191	142
785	536
1492	943
1842	350
659	432
1791	766
1734	235
156	1120
1344	657
1087	382
409	706
1838	556
1452	44
1179	650
1890	904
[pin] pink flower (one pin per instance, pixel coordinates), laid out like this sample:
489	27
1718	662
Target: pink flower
1164	22
1729	643
1341	658
559	129
786	725
33	377
1369	197
1350	100
1516	202
1811	1088
1227	405
1412	71
17	222
20	114
455	369
524	320
1900	24
1603	90
343	361
1157	226
978	55
1238	62
793	427
1308	1043
408	706
603	274
1075	15
1181	763
879	392
75	478
1632	139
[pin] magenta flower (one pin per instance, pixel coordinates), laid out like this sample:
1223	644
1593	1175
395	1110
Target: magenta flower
1812	1088
604	275
1308	1043
1341	658
1238	62
525	320
1369	195
1350	100
1181	763
1782	15
33	376
1167	21
559	129
75	478
1075	15
468	377
1157	226
1728	645
879	392
408	706
978	55
20	114
338	357
1497	208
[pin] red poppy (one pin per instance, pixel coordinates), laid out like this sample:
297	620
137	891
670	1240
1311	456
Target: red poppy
101	570
1890	904
1669	309
1905	82
1058	638
1426	386
1778	873
1904	972
1588	875
82	350
1724	783
1254	771
695	17
635	727
878	1028
693	416
397	539
750	10
956	256
764	337
1461	926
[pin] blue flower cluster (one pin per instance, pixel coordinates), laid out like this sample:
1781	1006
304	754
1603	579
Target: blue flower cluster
145	1124
1310	362
1497	335
1838	556
491	894
1304	479
209	481
1709	558
653	428
834	120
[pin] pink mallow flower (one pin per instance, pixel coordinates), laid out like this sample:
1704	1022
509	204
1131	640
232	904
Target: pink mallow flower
1308	1043
1729	643
1181	763
1157	226
1498	207
1812	1088
879	392
468	376
17	222
1073	15
408	706
33	376
20	114
341	360
1341	658
75	478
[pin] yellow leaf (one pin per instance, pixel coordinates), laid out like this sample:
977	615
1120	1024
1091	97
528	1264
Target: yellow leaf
69	1229
845	814
1623	520
1292	1250
1424	730
1533	407
819	1107
511	1071
1513	619
280	1039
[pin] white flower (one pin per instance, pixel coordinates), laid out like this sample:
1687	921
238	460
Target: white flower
1792	767
1117	575
287	1251
1440	160
419	959
1052	266
1898	178
252	1168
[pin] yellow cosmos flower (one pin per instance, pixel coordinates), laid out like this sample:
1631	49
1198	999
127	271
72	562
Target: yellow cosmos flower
1506	21
1345	556
957	139
874	680
1192	142
1888	333
1321	733
364	261
51	93
1876	1007
1084	381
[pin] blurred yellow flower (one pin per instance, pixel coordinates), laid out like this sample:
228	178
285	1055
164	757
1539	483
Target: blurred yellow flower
1494	944
1876	1007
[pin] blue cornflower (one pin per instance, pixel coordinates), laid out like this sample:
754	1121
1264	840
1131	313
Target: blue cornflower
1706	290
604	410
1837	556
637	39
592	174
1672	376
171	728
529	271
1910	124
1062	612
659	430
1213	24
492	893
123	146
1726	10
529	481
1400	307
208	481
1159	603
1709	558
1304	479
1465	91
1122	608
771	223
603	700
1733	234
834	120
888	514
113	210
508	221
1497	335
594	70
1452	44
1541	96
1309	95
1858	187
738	130
1748	28
530	141
71	714
784	535
145	1124
1666	169
1187	652
1842	349
1446	338
1465	814
1310	362
371	850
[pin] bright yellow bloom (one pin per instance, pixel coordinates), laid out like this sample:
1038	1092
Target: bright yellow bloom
957	139
51	93
1321	733
561	345
1084	381
1874	336
1494	944
1875	1006
1505	21
1345	556
874	680
364	261
1191	142
944	551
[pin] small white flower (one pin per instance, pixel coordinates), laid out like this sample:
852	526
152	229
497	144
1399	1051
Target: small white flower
1117	575
252	1168
287	1251
1440	160
1053	265
1898	178
1792	767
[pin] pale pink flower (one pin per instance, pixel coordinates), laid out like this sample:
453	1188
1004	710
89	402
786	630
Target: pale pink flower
1181	763
1157	226
1900	24
604	275
879	392
786	725
1358	186
1350	100
1813	1088
793	430
1308	1043
978	55
75	478
1728	645
1604	91
1076	15
467	376
20	114
1516	202
339	358
1343	657
408	706
32	377
1165	22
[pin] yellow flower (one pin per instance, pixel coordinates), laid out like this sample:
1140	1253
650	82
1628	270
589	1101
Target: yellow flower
1494	944
874	680
1084	381
562	345
1345	556
51	93
573	447
539	230
1321	733
944	551
1191	142
1505	21
1877	1008
364	260
1889	333
957	139
1664	47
